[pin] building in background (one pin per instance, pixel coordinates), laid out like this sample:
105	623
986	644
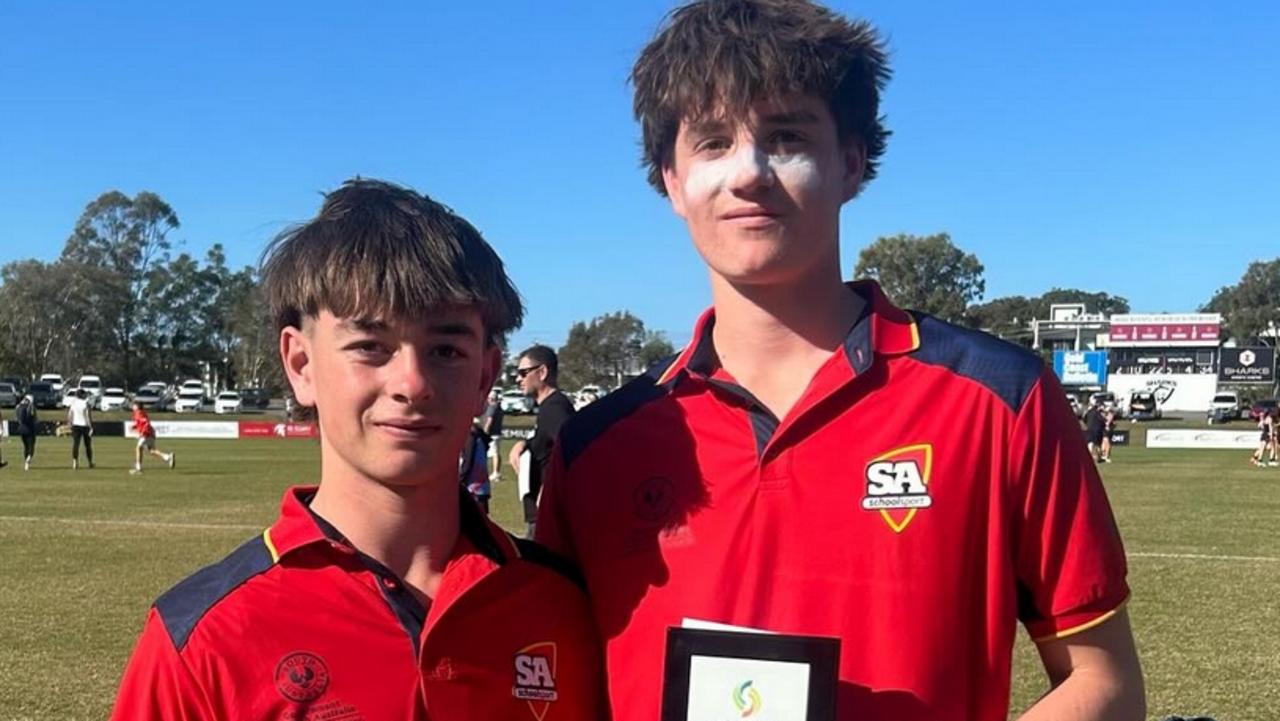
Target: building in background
1172	355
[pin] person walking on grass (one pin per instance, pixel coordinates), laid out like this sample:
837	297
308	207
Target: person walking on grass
146	440
80	418
26	418
1267	424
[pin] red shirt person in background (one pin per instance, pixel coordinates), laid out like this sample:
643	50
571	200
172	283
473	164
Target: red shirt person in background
146	440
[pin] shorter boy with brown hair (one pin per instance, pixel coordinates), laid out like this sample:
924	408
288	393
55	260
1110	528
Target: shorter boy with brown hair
146	440
382	593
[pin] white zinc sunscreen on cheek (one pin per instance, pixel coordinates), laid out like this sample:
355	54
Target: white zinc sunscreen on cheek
707	178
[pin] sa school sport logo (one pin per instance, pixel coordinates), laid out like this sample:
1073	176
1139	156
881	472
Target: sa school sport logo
535	677
897	484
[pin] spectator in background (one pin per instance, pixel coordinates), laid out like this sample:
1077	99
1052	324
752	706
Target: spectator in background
1094	430
1267	424
472	468
536	372
4	431
146	440
80	418
27	420
491	424
1108	427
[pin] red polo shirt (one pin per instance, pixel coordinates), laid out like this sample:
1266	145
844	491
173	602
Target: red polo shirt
298	625
929	488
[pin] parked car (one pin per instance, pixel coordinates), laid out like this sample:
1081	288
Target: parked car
1262	407
587	394
19	383
150	398
155	395
112	399
255	397
1143	407
43	394
54	380
9	395
227	402
1224	407
516	403
189	400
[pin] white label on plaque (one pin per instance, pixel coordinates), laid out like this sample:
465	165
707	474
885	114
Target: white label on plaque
724	688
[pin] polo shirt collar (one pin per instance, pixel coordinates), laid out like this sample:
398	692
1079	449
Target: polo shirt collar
883	329
298	526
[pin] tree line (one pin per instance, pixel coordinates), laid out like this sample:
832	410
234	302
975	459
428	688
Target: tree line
119	303
930	274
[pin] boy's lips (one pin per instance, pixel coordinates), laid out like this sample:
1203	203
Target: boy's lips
747	213
407	428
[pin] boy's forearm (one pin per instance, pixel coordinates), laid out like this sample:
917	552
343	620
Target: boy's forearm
1086	696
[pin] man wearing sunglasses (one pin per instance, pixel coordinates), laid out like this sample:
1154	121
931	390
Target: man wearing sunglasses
536	375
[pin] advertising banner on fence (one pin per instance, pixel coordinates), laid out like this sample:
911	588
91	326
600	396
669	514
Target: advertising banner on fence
1081	367
1165	329
189	429
1248	365
268	429
1174	392
1193	438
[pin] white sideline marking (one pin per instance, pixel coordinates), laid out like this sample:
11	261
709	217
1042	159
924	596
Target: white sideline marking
134	524
246	527
1202	557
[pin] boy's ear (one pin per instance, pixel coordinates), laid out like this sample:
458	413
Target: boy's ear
855	165
671	181
295	356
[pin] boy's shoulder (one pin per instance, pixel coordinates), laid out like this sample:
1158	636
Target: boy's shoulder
184	606
1007	370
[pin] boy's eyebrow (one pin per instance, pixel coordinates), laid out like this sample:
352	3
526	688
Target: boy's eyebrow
452	328
362	325
705	127
372	325
782	117
790	117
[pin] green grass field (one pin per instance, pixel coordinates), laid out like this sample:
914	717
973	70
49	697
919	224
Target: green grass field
86	552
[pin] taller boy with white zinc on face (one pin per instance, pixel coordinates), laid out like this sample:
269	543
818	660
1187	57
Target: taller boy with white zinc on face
817	461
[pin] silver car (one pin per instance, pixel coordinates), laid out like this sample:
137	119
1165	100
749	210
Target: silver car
8	395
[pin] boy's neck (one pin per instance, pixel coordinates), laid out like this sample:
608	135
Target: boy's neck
773	338
412	530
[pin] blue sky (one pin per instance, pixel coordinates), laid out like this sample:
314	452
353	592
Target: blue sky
1106	146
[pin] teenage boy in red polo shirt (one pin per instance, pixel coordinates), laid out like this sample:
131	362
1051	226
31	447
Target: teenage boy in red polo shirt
383	593
818	461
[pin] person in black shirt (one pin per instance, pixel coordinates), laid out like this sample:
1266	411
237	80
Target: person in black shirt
1094	430
536	373
27	422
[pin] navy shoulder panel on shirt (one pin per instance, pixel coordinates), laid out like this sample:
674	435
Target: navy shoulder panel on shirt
594	419
182	606
1007	370
539	554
